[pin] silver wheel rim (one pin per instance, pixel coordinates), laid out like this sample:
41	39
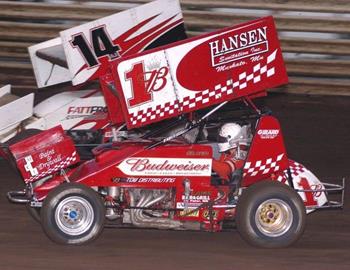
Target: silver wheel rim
274	217
74	215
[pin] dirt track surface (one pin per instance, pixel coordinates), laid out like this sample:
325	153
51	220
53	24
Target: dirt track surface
316	132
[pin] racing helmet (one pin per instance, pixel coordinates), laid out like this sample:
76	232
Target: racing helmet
231	135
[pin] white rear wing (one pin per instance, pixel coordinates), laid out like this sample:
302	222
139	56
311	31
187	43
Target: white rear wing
14	109
83	53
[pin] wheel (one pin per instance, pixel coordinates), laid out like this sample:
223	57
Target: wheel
34	212
72	214
270	215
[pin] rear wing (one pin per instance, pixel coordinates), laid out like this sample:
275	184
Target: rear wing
236	62
83	53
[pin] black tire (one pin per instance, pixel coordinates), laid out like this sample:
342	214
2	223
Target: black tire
270	215
34	212
73	214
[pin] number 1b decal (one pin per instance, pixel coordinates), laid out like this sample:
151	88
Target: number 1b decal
144	83
102	45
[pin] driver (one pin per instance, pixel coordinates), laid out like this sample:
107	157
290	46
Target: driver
233	143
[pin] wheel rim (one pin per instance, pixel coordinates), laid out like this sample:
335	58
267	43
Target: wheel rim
274	217
74	215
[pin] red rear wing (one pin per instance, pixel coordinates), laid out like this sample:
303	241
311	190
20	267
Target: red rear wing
239	61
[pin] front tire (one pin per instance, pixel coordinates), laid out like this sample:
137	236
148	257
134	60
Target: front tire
270	215
73	214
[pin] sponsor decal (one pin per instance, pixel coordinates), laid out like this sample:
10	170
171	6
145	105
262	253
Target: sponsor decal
189	213
86	112
147	180
189	205
206	214
101	45
143	83
47	160
317	187
268	133
197	153
196	198
86	109
231	48
28	166
166	166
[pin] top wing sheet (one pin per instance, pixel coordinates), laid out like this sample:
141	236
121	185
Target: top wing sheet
83	53
200	72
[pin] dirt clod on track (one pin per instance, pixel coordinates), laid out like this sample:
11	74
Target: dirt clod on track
317	134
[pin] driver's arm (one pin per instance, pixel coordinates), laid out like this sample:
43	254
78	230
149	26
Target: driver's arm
222	168
225	168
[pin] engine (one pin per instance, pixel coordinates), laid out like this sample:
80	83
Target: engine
146	208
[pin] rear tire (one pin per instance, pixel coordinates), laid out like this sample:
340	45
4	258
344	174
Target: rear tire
73	214
270	215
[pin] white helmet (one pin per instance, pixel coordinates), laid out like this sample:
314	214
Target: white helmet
231	135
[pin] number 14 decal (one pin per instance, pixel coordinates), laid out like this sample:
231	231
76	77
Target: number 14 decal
101	45
144	83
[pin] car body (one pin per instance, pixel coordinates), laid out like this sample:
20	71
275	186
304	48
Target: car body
164	179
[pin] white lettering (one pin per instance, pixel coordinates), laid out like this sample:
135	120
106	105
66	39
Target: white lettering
268	133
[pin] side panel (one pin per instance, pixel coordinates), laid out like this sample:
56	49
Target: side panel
161	167
44	154
304	179
267	155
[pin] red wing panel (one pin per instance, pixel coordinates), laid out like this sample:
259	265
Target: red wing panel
200	72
